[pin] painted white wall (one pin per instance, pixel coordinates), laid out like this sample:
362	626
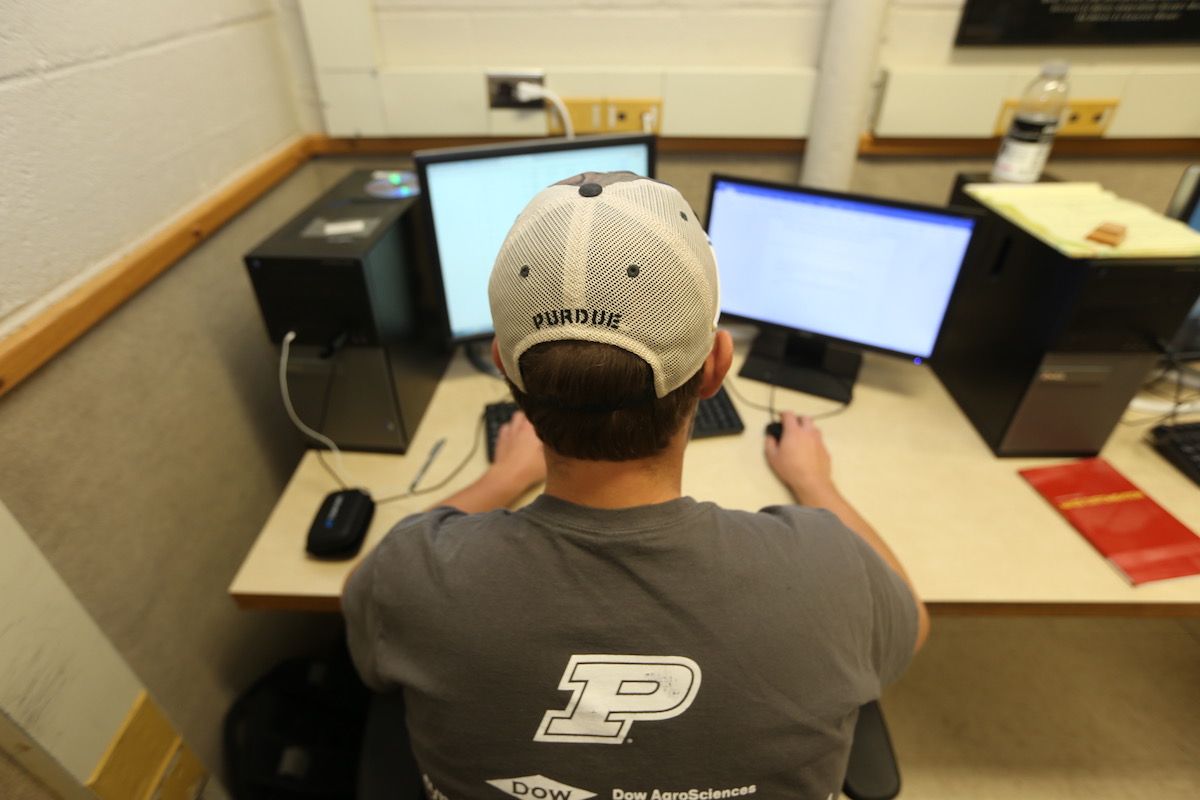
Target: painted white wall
382	60
626	33
935	90
116	117
725	67
298	65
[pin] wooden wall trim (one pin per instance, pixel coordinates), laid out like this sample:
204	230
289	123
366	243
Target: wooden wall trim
51	332
869	145
1063	609
38	341
327	145
986	148
321	145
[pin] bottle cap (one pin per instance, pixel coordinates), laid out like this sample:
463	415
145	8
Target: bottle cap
1055	69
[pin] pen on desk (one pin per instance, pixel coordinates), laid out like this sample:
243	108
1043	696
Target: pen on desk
437	446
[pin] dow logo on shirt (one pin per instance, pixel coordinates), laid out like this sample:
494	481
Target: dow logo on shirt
611	692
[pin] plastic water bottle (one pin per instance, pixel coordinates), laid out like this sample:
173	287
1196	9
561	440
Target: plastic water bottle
1026	146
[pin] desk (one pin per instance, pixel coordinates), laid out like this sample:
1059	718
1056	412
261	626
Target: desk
973	535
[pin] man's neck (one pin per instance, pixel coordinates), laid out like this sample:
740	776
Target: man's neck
617	484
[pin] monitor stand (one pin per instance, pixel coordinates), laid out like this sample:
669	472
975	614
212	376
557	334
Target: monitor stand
479	353
798	361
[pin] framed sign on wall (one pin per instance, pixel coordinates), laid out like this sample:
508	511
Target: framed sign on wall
1078	22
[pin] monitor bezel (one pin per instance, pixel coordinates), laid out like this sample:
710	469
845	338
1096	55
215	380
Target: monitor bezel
976	215
422	159
1187	195
1183	206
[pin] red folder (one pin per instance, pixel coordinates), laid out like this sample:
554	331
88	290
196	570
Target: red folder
1136	534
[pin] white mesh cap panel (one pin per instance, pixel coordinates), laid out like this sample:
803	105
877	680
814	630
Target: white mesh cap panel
630	266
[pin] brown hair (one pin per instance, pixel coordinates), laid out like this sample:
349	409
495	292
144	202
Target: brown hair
596	402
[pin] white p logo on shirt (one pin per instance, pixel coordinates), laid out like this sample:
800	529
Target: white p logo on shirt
610	693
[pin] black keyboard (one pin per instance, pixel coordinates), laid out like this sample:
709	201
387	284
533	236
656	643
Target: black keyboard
495	415
1180	444
715	416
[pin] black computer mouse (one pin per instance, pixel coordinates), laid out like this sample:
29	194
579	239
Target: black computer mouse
341	524
774	429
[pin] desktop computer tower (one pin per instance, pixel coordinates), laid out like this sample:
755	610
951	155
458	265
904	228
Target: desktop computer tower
349	276
1043	352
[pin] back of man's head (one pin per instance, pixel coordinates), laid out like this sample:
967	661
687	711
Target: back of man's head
604	300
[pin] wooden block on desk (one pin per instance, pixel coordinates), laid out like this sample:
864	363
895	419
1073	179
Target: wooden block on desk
1108	233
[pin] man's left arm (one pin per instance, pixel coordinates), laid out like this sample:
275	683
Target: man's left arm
519	466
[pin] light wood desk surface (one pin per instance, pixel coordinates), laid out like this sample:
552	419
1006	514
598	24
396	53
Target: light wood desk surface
974	536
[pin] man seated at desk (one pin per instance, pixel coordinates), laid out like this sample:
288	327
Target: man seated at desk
724	651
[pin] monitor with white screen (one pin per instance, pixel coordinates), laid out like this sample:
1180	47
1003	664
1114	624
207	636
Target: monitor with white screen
826	275
472	196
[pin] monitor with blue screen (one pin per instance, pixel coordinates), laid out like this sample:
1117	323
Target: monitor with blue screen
826	275
1185	202
1185	206
473	194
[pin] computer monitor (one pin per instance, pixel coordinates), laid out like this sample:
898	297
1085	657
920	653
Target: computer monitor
1185	206
826	275
473	194
1185	203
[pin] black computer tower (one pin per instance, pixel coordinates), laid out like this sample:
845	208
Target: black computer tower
1043	352
350	277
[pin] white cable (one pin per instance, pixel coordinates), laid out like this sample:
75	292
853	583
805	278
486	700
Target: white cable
287	403
525	91
1154	405
1188	378
563	114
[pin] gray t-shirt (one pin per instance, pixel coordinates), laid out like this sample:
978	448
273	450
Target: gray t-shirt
664	652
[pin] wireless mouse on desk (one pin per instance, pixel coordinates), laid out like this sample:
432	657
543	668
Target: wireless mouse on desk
341	524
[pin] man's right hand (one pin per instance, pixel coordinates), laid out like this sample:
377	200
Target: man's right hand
802	462
800	459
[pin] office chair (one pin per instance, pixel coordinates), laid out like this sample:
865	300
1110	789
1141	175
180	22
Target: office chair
389	771
872	773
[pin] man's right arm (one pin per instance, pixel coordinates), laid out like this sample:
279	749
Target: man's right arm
801	460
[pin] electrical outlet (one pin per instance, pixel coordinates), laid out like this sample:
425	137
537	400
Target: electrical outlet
1087	117
502	89
633	115
1082	118
608	115
587	115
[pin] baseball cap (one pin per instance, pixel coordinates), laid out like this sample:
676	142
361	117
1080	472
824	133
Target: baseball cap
614	258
